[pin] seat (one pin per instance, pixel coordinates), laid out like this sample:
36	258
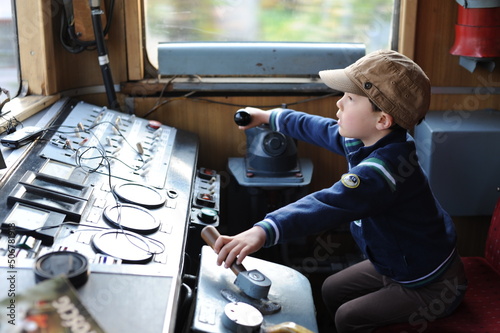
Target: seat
480	309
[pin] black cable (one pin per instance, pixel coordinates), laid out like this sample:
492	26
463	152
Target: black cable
271	106
207	100
158	243
104	157
6	92
158	105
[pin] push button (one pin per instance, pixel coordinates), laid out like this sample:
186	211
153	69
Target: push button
207	215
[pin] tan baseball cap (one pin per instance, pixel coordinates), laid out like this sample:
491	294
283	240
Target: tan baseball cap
394	82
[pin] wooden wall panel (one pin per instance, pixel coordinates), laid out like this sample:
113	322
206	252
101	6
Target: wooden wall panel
82	69
36	54
434	38
135	43
407	26
220	138
468	102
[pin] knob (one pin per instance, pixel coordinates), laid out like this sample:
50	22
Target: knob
242	117
274	144
207	215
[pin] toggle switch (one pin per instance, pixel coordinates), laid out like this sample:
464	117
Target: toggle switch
205	199
206	174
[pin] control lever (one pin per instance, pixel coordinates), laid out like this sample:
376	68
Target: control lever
253	283
242	117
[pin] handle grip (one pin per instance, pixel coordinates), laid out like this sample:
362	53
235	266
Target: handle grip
242	117
210	235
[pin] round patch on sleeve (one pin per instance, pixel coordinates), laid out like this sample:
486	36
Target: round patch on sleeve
350	180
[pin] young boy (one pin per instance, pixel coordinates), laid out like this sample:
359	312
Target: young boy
413	272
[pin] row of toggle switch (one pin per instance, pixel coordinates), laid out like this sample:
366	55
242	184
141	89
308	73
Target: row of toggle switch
206	197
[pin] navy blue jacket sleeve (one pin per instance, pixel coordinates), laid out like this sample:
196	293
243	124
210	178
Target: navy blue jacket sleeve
361	193
313	129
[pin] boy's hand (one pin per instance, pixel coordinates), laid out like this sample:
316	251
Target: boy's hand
258	117
231	248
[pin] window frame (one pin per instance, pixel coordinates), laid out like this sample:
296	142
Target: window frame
252	66
5	94
186	82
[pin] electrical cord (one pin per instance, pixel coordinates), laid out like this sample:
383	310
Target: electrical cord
68	36
6	92
91	228
11	124
159	104
270	106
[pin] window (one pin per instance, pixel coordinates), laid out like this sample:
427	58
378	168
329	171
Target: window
9	63
344	21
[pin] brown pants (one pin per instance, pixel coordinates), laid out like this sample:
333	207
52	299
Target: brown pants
360	299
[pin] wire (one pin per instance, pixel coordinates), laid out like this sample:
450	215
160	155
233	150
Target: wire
91	227
207	100
6	92
101	150
11	125
158	105
270	106
12	122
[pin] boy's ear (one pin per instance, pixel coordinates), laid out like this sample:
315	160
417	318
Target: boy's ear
385	121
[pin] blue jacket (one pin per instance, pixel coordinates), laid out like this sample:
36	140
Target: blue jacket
385	196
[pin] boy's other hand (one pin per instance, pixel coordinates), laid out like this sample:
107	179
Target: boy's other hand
231	248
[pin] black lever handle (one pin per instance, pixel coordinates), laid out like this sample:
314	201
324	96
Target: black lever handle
242	117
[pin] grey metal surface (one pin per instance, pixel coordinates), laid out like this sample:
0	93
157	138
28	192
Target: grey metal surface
237	168
119	302
122	297
289	288
260	58
460	152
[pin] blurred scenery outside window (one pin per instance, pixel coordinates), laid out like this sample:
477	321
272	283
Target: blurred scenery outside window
346	21
9	63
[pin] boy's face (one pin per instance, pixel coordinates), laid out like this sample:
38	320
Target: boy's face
357	119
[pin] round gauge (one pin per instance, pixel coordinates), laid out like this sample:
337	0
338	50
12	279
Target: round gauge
131	217
73	265
130	247
140	194
240	316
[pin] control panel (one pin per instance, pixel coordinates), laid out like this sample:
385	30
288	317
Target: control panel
118	190
95	138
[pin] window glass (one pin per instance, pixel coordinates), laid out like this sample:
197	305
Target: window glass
346	21
9	63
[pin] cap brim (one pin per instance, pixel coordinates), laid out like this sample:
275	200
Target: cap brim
338	80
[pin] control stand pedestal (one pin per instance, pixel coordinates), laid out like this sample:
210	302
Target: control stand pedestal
215	282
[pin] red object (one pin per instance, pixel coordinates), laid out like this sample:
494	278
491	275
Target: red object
154	124
477	33
480	309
